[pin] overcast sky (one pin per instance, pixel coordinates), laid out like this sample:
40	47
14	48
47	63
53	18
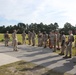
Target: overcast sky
36	11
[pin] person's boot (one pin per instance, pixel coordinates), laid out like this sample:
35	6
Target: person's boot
58	48
65	57
54	50
45	46
33	45
69	56
61	53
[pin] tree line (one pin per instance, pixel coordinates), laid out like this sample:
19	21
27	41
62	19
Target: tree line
38	27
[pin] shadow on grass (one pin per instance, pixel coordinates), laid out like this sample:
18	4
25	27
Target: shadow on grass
38	67
67	66
22	63
27	66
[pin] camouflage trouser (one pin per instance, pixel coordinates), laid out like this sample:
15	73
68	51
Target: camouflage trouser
54	46
40	42
58	43
29	39
62	48
45	42
69	49
52	43
33	41
23	40
6	42
14	44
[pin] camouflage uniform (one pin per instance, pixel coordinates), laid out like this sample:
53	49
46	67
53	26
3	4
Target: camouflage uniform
62	43
58	40
45	38
40	39
29	37
33	38
6	37
14	38
69	46
23	37
55	41
51	39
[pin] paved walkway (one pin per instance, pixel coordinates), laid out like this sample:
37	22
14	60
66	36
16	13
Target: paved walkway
40	56
6	59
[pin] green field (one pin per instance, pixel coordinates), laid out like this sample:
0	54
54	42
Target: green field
18	36
20	40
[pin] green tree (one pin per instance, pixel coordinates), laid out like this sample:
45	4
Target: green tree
56	25
67	27
21	27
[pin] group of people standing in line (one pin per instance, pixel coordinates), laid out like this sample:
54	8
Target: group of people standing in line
53	40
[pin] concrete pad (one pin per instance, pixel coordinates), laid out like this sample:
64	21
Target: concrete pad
6	59
42	56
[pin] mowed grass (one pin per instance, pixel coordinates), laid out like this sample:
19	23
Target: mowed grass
26	68
20	40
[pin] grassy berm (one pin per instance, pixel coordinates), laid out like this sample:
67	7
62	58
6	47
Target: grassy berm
26	68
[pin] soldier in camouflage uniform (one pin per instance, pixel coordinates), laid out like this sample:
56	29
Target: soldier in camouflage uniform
62	43
29	37
45	38
14	38
55	41
58	40
69	46
40	39
23	37
51	37
33	38
6	37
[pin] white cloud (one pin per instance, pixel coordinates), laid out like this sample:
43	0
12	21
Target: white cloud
46	11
